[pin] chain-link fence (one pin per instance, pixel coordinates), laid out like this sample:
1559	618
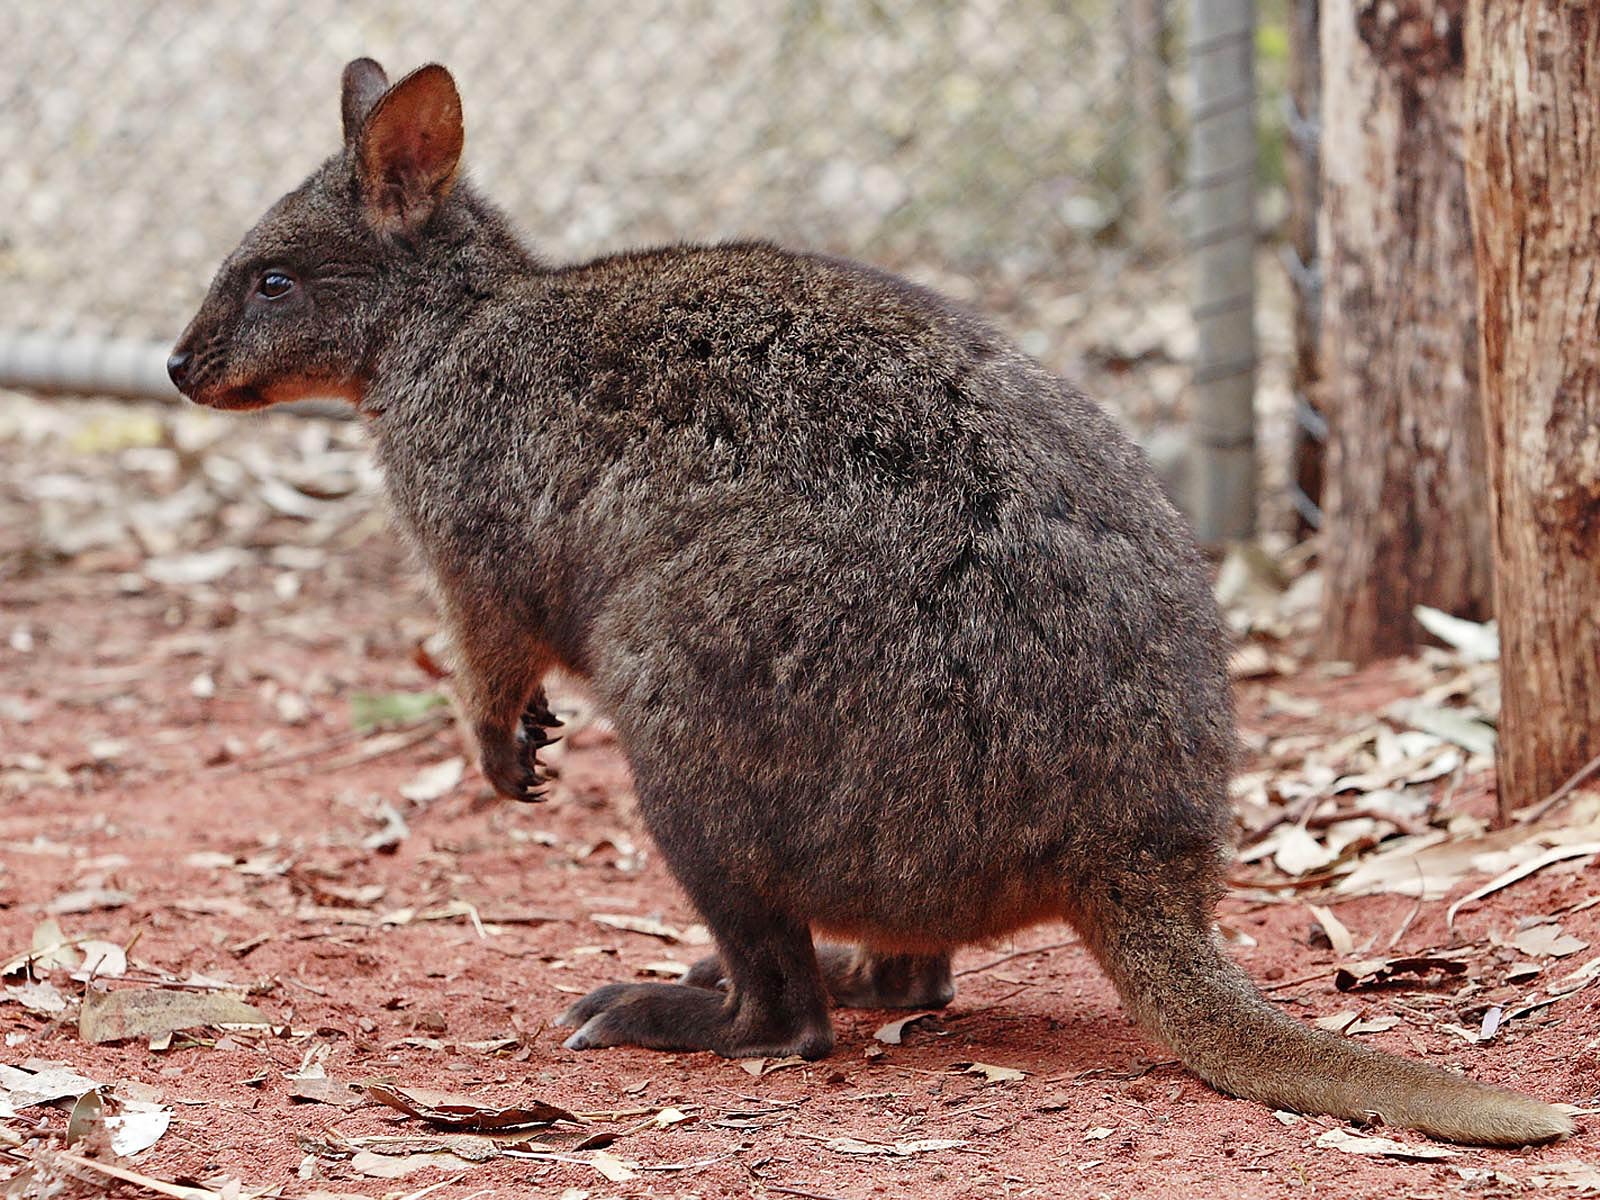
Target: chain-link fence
1021	154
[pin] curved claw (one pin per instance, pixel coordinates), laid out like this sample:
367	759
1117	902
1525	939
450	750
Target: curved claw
513	768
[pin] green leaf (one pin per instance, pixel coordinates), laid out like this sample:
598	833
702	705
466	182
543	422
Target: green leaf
368	710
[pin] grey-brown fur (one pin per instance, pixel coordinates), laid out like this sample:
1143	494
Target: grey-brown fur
902	639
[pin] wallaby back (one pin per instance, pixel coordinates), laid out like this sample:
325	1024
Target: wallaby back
902	638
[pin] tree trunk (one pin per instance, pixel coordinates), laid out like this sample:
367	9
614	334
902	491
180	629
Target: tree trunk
1148	190
1405	522
1534	155
1303	175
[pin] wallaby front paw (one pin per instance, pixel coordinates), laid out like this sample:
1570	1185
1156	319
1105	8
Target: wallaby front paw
508	771
511	762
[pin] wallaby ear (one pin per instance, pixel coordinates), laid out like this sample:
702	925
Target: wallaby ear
408	150
364	82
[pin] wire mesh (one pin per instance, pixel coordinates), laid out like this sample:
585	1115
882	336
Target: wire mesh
1017	153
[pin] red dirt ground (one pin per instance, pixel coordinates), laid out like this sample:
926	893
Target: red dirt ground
1101	1111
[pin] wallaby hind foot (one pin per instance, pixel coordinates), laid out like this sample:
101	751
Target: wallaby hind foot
670	1016
857	977
774	1005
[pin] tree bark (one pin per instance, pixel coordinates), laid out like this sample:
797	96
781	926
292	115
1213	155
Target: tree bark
1534	161
1149	126
1405	520
1303	175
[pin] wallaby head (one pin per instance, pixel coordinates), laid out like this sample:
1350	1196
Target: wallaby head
306	303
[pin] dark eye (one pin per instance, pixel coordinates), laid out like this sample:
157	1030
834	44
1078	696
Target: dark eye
274	284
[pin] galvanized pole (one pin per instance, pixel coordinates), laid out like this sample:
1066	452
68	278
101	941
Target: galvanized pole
1222	186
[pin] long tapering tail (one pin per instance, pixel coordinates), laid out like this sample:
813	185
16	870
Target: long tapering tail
1178	986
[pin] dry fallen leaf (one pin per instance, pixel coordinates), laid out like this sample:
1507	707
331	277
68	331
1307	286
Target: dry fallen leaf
1371	1025
1349	1023
138	1126
204	566
1547	941
1451	724
1431	864
86	1124
463	1113
177	1191
1298	853
1384	972
149	1012
395	1166
612	1167
39	996
894	1032
101	960
1339	937
312	1084
432	783
850	1145
991	1072
1355	1143
87	900
1492	1019
1477	642
1570	848
49	949
39	1081
1336	1022
1580	978
1570	1175
694	935
393	830
766	1066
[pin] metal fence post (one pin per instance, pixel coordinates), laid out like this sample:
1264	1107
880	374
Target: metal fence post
1222	183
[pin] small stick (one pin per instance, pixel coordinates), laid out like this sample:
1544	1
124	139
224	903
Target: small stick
1422	890
1016	954
783	1190
391	743
1289	983
1527	816
159	1186
288	757
272	762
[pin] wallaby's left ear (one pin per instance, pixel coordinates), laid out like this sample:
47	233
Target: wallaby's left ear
408	150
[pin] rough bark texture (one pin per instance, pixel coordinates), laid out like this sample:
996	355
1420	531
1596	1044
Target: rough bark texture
1405	521
1534	150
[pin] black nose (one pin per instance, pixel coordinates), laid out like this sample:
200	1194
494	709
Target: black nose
178	367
